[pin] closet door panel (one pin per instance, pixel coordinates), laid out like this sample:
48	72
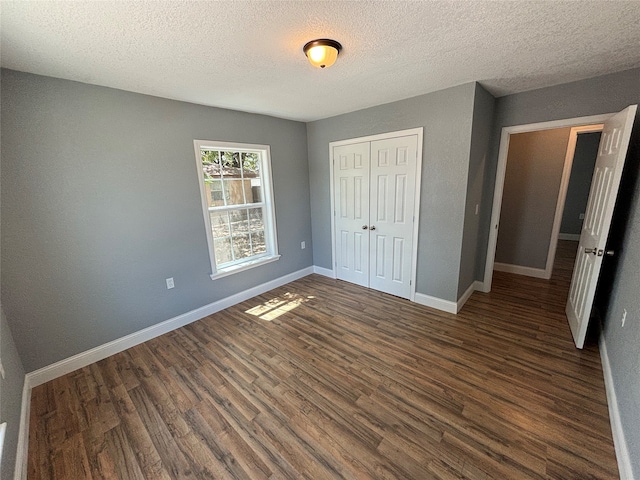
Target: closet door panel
351	172
393	173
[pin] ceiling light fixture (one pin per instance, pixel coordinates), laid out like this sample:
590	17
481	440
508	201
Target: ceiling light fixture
322	52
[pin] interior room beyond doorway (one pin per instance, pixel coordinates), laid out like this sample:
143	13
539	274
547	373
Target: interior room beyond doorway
547	180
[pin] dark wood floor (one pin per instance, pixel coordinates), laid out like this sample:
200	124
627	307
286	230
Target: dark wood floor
323	379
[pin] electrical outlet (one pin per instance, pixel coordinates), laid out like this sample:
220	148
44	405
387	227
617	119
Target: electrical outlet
624	316
170	283
581	216
303	245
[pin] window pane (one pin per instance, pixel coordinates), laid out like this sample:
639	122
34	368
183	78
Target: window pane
223	250
251	172
255	219
231	163
257	240
233	191
241	246
220	224
211	162
256	190
239	221
251	165
215	196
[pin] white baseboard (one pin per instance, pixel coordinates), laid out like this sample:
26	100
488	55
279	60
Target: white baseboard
447	305
421	298
520	270
324	271
569	236
20	472
622	452
476	285
483	287
45	374
101	352
435	302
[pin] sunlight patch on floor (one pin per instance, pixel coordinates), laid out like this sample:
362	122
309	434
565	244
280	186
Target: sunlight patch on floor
272	309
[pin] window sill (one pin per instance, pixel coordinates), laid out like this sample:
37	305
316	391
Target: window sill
243	266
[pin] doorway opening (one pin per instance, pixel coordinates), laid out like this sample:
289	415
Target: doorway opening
595	122
538	205
592	247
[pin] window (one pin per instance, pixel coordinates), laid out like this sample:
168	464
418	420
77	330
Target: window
237	202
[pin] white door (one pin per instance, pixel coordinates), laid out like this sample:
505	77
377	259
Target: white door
393	183
374	192
595	229
351	189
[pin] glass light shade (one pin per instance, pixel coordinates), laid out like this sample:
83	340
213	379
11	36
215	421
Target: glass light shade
322	53
322	56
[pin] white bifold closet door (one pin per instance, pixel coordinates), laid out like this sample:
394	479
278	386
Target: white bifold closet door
374	187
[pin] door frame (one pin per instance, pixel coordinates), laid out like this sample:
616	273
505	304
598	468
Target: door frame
419	131
588	122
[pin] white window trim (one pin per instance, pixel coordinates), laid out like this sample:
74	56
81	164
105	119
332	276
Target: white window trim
269	207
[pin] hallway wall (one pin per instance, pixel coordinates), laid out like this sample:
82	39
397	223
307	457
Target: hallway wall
531	187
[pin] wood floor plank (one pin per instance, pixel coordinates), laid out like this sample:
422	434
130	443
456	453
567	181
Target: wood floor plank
174	461
123	456
138	435
125	368
208	438
101	463
238	449
321	379
71	459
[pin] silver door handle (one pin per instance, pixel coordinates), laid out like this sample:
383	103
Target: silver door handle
373	227
364	227
610	253
591	250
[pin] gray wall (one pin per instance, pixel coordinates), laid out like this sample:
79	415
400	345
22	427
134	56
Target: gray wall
100	203
11	397
584	161
617	291
446	117
483	107
531	186
606	94
11	386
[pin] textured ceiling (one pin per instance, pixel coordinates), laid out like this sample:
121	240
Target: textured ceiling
247	55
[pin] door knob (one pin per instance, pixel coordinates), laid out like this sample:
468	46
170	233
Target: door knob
591	250
364	227
373	227
610	253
